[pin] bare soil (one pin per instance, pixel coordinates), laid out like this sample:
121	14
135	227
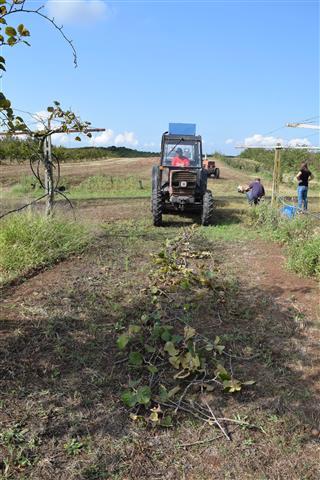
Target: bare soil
61	373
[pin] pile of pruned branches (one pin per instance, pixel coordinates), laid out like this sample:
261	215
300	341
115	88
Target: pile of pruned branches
170	365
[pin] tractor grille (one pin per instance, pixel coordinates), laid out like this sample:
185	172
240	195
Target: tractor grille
183	183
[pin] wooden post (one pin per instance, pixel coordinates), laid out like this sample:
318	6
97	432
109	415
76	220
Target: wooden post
47	160
276	174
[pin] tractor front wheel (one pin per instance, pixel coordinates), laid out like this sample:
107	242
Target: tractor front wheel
207	209
217	173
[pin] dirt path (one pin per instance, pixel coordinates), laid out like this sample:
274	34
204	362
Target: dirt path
57	350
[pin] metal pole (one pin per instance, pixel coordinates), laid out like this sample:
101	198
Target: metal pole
276	174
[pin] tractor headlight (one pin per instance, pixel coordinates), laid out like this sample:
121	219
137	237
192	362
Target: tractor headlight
183	184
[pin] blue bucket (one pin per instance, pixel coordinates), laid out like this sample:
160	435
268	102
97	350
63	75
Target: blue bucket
289	211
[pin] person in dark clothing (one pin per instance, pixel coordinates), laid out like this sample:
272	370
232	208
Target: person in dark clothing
255	191
303	178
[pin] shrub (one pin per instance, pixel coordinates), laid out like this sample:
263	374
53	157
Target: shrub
28	241
298	234
304	257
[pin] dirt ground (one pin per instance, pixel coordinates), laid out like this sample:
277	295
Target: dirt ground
60	370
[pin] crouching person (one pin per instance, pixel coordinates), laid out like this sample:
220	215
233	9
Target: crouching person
254	191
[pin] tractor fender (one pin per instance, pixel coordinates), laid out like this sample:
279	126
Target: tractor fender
202	180
155	177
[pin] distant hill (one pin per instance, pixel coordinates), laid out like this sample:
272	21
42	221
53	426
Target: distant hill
21	150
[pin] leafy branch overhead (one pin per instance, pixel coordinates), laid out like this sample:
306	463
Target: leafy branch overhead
12	35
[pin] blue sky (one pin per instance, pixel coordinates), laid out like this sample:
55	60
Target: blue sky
240	70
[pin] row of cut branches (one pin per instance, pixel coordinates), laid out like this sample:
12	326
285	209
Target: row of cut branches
172	367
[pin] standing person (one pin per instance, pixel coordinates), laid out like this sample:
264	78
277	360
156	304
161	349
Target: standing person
303	178
255	191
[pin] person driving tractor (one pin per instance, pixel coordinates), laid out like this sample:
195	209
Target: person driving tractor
180	160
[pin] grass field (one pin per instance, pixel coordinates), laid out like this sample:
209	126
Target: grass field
62	373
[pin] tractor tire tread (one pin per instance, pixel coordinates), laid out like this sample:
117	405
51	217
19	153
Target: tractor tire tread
207	209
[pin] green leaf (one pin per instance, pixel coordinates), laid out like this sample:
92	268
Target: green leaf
190	362
129	398
4	103
175	361
149	348
12	41
133	329
222	373
163	393
185	284
189	332
144	395
21	28
10	31
134	383
154	417
166	421
23	31
50	109
2	67
166	334
173	391
176	338
248	382
232	386
123	341
152	369
2	60
135	358
170	348
78	139
219	348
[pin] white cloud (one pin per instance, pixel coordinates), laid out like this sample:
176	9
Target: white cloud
149	145
296	142
229	140
107	138
77	11
62	139
103	139
258	139
41	117
127	139
269	141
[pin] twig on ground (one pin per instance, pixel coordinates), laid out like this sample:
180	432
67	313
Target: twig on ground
200	442
217	422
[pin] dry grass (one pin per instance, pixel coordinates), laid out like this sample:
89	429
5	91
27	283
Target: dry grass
61	416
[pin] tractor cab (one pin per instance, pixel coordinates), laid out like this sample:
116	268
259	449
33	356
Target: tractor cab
181	151
180	182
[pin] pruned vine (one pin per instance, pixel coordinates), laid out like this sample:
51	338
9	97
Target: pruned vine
170	365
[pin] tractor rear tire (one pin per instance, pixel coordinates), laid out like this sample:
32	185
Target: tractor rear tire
207	209
157	207
156	199
217	173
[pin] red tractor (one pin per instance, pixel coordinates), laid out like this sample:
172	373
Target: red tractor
179	183
212	170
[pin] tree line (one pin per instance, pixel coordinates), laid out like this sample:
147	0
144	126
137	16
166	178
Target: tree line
16	150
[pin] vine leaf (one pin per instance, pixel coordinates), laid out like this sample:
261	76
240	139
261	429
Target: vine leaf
135	358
